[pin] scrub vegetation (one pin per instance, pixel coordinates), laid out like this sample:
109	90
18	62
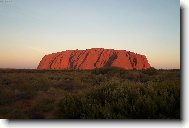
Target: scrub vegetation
105	93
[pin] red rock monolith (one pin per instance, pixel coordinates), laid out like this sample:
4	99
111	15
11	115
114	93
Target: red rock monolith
94	58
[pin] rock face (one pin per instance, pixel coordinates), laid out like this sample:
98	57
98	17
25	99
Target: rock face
93	58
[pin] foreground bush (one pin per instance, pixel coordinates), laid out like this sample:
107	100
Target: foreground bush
107	93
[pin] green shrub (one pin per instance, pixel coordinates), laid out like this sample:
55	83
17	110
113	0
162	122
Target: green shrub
108	70
150	71
12	113
106	93
69	108
6	96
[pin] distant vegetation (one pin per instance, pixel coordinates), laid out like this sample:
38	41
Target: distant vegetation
106	93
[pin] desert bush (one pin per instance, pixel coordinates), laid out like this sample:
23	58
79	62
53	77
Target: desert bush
150	71
6	96
108	70
69	107
43	104
40	107
66	85
12	113
107	93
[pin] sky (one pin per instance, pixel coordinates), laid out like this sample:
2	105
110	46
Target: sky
29	29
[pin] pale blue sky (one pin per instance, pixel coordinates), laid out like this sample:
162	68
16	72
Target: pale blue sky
29	29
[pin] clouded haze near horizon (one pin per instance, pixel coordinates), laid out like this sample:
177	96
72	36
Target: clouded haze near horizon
31	29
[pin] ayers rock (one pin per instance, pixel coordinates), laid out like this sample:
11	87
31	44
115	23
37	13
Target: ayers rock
93	58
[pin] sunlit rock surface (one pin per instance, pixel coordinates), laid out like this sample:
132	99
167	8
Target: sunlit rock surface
94	58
